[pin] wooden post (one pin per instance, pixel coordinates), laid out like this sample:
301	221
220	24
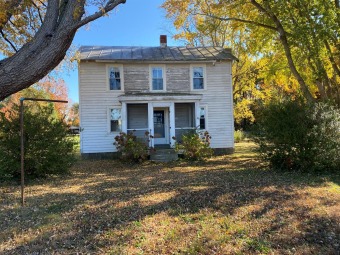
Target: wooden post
22	150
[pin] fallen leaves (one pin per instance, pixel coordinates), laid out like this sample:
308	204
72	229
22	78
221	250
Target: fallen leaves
227	205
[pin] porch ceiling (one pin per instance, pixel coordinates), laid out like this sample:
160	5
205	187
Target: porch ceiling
145	97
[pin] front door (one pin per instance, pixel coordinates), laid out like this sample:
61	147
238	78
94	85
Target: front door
160	123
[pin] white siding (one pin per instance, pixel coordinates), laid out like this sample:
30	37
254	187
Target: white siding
96	100
218	99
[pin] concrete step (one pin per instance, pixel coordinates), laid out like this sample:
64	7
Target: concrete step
164	155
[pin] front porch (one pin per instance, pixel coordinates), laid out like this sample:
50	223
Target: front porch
164	118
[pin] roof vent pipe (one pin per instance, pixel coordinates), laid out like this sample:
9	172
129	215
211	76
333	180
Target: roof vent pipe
163	41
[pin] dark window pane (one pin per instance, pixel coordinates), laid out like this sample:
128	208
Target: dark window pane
114	78
158	121
115	126
157	84
202	123
202	118
198	83
115	84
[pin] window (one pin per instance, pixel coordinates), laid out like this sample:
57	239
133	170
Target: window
115	78
115	120
198	77
157	81
202	118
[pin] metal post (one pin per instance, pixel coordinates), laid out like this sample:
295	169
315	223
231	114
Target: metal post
22	150
22	147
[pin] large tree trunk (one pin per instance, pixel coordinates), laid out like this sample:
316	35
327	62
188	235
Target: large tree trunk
48	47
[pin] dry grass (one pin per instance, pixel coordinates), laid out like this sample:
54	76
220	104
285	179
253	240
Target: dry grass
227	205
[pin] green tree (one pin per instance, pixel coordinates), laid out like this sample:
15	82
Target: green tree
48	149
305	32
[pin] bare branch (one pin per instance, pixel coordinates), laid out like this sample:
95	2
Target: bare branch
8	41
108	7
39	13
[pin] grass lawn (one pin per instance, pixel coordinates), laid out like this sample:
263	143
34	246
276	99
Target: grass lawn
227	205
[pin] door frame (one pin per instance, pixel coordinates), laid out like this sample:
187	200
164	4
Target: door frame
166	139
171	111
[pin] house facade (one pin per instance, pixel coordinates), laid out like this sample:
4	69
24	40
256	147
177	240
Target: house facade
165	91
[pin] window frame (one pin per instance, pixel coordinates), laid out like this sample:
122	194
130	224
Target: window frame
109	119
192	66
151	77
121	74
205	117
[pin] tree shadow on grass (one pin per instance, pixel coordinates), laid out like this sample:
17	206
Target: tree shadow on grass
113	196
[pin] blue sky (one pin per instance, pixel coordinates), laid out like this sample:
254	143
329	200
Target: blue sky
136	23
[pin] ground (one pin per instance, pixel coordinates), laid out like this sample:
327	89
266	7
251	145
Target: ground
227	205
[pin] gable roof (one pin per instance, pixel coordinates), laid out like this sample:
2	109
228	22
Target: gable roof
124	53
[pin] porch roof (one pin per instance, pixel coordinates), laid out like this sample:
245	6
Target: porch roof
146	97
155	54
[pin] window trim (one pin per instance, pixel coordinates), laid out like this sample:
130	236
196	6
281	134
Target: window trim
121	73
192	66
205	117
164	77
109	108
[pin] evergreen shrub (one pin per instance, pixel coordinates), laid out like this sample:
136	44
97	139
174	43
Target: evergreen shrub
48	150
293	135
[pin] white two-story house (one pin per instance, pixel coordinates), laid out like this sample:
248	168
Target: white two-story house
166	91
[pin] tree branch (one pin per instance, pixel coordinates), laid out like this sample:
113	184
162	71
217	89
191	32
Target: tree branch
8	41
284	41
331	58
108	7
37	57
38	9
9	13
243	21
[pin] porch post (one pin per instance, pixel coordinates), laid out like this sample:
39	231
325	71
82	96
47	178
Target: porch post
124	117
150	123
197	115
172	124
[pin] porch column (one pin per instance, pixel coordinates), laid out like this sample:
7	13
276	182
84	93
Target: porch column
150	123
197	115
172	124
124	117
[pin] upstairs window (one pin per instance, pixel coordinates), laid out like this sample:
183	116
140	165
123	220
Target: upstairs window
198	77
115	120
157	78
115	78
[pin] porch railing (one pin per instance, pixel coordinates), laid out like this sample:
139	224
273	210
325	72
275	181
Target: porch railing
139	133
179	132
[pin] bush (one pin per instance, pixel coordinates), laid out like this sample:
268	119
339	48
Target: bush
296	136
195	146
131	148
47	148
239	136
